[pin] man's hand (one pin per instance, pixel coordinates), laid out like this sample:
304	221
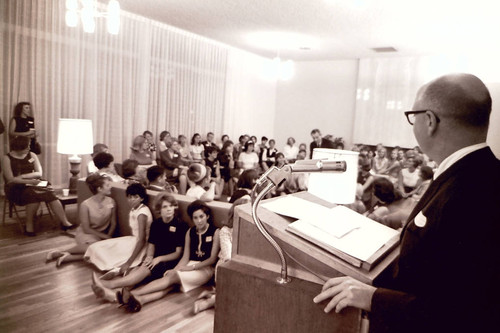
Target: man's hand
346	291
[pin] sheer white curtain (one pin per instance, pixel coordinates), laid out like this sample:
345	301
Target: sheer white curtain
388	86
149	76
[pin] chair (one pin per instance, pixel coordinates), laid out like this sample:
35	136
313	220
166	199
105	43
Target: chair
13	207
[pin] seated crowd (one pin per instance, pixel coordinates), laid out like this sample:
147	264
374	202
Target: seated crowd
162	252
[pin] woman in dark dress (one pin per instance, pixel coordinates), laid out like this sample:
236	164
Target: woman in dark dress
22	172
23	124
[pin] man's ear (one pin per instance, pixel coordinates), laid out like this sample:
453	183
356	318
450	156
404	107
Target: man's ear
431	122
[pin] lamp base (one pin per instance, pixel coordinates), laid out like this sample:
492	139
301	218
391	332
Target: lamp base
75	162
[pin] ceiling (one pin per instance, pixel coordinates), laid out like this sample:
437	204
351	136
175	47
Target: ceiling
335	29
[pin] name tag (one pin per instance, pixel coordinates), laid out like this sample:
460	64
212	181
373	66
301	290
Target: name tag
209	239
420	220
175	155
172	228
31	160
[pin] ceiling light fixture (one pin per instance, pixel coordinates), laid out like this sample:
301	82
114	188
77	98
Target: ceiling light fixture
88	12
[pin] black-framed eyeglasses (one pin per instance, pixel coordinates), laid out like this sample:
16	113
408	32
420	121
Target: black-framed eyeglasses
410	115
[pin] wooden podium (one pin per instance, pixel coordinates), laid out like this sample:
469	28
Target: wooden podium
250	300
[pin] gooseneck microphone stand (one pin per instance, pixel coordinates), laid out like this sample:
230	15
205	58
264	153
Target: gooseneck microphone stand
273	178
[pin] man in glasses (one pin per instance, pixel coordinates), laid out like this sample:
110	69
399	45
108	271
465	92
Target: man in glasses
447	277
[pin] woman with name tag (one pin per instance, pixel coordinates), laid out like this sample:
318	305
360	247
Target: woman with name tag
196	267
97	220
23	172
165	244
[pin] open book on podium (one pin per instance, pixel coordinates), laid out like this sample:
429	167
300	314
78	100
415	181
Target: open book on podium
341	231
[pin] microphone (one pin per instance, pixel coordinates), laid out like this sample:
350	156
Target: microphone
279	175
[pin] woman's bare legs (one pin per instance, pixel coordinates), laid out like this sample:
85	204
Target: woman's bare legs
129	280
31	210
58	210
156	289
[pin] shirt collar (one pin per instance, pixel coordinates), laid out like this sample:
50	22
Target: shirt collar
459	154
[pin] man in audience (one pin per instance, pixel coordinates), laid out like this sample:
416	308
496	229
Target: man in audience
319	142
209	142
157	177
446	278
172	161
98	148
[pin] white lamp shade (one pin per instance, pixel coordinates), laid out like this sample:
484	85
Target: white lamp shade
75	136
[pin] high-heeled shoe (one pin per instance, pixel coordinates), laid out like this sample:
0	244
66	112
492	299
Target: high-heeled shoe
68	227
60	260
54	254
101	291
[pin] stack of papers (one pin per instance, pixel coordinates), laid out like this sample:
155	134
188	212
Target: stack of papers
334	229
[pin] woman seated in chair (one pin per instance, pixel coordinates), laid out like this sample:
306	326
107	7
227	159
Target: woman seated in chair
22	172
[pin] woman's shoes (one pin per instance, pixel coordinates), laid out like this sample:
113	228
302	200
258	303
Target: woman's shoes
53	255
101	291
60	260
68	227
133	305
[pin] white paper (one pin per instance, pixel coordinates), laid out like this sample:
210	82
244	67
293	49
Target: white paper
333	221
360	242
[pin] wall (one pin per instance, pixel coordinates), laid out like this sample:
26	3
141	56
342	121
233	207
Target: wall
322	94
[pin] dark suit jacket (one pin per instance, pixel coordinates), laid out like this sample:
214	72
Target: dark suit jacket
447	278
325	143
170	163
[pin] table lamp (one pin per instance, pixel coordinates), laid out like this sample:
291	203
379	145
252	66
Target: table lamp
74	137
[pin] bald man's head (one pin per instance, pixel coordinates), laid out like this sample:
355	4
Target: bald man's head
462	97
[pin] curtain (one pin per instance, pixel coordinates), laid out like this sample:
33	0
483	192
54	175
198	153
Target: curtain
388	86
149	76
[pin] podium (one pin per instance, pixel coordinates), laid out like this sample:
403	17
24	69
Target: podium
250	300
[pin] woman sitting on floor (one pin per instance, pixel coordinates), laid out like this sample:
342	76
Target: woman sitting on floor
23	172
206	300
201	248
118	255
97	220
165	244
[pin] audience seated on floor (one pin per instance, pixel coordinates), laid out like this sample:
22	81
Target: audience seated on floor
206	299
97	216
164	250
196	267
118	255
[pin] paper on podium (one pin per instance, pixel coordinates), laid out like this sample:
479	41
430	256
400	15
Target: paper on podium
334	229
333	222
360	242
